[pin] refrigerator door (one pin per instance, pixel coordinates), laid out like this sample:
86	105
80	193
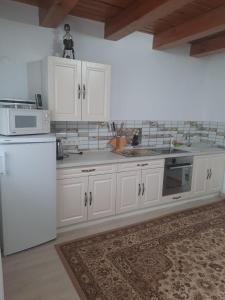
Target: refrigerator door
2	163
28	195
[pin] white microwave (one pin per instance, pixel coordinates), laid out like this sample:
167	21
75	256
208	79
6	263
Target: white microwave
24	121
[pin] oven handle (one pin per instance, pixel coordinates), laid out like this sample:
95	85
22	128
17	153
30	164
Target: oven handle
180	167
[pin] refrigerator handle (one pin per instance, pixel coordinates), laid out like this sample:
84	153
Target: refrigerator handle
3	170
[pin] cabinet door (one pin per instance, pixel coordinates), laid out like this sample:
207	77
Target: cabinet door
128	191
216	167
152	181
72	200
199	180
64	89
1	279
95	91
102	196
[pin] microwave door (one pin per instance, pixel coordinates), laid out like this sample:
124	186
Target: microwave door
24	122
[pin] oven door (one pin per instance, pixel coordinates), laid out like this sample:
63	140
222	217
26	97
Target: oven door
177	178
25	121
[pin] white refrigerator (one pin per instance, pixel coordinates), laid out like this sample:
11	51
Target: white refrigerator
27	191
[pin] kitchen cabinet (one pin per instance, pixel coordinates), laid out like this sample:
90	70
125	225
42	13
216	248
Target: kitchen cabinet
128	191
101	196
208	174
139	188
72	200
95	91
216	173
1	279
94	192
152	182
76	90
85	197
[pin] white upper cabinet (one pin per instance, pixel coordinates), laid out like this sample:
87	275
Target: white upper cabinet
95	91
75	90
63	90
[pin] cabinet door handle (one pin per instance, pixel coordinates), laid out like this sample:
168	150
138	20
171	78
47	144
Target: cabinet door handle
142	165
143	189
85	199
88	171
176	198
84	91
90	198
210	174
79	91
139	190
207	174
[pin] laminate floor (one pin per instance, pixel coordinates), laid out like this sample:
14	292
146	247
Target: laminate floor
38	274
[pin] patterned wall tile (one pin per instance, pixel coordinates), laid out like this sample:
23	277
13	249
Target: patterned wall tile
95	135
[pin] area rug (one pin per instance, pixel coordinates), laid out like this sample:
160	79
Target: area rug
179	256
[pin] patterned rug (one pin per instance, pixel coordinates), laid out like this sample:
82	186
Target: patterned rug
179	256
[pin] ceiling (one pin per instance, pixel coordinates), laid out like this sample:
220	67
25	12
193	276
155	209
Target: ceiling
172	22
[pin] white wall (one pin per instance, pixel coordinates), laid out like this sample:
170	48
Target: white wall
146	84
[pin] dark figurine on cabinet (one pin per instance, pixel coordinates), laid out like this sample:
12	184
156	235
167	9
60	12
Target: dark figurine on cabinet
68	51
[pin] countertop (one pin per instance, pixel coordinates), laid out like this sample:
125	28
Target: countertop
90	158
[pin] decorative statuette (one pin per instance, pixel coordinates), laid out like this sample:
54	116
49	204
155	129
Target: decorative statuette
68	51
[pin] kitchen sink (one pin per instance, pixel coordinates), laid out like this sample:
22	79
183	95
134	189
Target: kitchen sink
170	151
138	152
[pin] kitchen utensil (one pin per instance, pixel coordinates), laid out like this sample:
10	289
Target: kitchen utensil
118	143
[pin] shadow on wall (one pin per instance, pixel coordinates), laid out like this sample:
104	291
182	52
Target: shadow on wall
34	70
12	83
58	42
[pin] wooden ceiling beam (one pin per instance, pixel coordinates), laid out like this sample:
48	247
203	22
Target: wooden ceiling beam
138	14
214	44
208	24
56	11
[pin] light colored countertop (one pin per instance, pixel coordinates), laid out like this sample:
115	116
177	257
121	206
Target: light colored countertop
91	158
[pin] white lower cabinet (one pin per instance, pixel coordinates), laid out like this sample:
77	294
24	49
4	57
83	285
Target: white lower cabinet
200	173
72	200
128	191
152	182
208	174
216	176
85	198
138	189
102	193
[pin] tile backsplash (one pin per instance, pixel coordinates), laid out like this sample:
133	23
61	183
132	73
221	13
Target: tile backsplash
95	135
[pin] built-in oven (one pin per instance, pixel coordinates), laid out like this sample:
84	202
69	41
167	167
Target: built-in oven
177	175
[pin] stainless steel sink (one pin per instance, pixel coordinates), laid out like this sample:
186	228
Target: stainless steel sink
138	152
170	151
